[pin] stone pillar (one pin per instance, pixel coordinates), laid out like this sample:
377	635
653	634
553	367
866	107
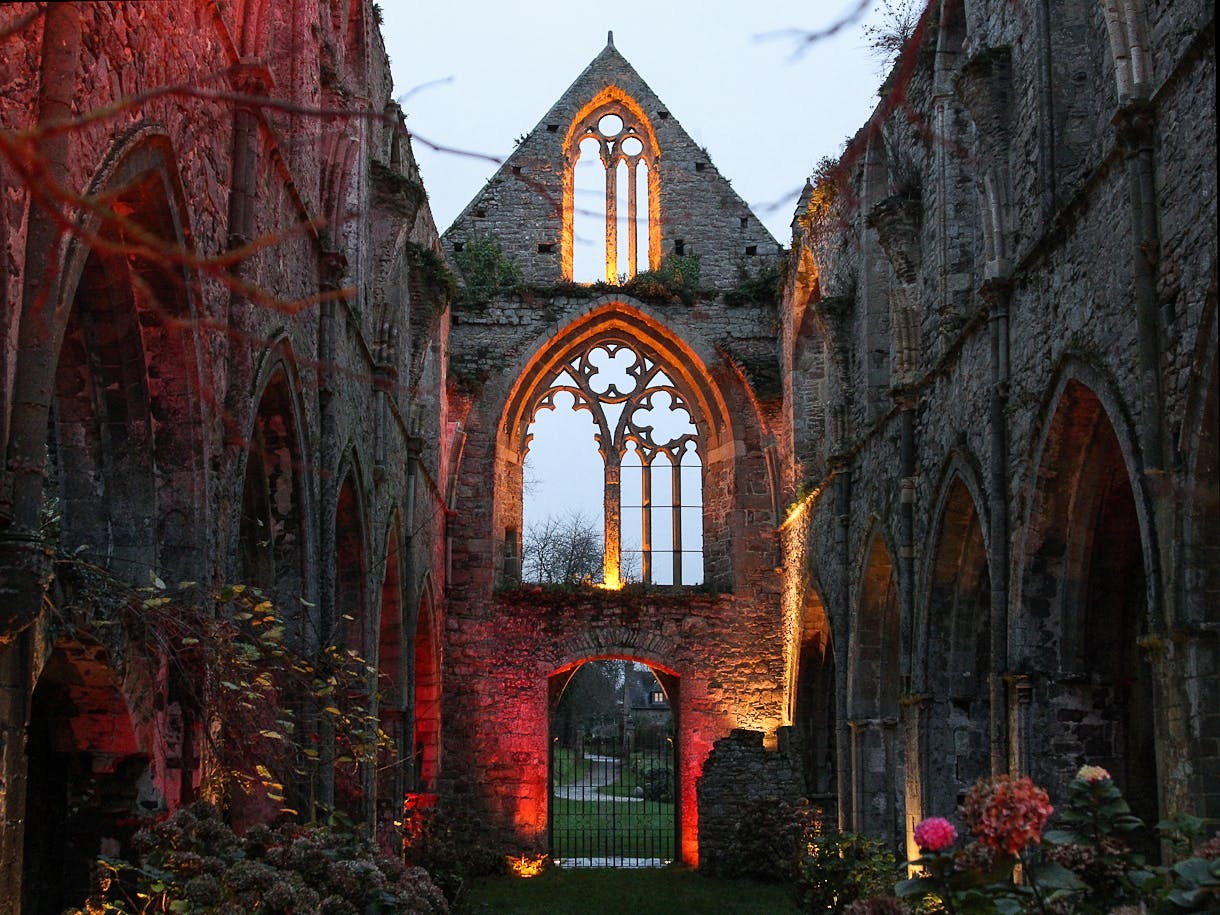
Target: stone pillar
1020	724
14	711
914	712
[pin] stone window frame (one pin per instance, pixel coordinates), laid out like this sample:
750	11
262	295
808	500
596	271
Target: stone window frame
614	319
613	101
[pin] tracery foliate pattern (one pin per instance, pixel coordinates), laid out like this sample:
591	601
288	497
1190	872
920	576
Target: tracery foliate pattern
644	420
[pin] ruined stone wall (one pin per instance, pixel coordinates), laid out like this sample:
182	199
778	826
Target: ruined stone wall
500	654
328	324
700	214
1049	266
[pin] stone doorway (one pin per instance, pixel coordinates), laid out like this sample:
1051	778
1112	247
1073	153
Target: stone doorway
88	781
614	795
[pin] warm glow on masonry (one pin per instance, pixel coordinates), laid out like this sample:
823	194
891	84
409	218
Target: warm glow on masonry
631	143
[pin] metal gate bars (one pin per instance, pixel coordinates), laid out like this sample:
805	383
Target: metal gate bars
613	802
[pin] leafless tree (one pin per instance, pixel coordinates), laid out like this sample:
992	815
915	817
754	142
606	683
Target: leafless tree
562	549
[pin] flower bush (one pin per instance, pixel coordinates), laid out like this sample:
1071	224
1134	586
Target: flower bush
1086	865
194	863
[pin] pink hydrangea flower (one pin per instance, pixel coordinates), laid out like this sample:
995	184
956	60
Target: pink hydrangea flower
935	834
1007	813
1093	774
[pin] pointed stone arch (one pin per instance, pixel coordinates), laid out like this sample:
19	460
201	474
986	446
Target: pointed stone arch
815	705
874	685
1086	583
125	432
611	325
275	530
390	690
955	656
613	102
426	693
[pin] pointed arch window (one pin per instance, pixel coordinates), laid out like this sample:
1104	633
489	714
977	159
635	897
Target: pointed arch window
611	192
650	446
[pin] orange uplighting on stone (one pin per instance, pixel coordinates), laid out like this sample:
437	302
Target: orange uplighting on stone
526	865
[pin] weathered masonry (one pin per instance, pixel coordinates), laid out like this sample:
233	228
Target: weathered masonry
999	350
712	354
222	362
941	499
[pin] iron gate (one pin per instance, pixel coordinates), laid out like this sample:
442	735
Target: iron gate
614	802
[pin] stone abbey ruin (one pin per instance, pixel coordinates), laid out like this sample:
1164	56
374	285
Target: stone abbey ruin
944	501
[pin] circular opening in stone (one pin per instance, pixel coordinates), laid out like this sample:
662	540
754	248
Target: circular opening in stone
632	146
611	125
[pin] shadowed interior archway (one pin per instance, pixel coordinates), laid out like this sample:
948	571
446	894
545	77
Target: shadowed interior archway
816	707
874	686
958	639
88	780
1084	587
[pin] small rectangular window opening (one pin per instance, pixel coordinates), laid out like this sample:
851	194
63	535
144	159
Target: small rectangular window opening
552	128
679	246
751	250
700	166
516	169
546	248
745	221
459	245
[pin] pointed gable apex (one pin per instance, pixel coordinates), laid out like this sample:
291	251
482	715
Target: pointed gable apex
692	210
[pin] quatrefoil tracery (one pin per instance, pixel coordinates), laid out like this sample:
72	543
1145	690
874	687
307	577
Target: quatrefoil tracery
623	388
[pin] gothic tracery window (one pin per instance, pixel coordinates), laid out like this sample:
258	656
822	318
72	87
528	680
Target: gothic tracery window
612	213
649	444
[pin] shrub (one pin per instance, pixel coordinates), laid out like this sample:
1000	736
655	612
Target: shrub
1086	865
192	862
842	868
450	841
485	269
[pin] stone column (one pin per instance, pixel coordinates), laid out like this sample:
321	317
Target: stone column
1020	725
914	717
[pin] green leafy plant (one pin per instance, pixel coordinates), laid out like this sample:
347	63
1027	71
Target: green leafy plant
675	280
284	711
761	285
485	270
842	868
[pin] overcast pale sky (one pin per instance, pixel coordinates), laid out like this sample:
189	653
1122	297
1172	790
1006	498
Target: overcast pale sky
476	74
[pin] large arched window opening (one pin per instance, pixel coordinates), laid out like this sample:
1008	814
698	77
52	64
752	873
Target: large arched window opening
644	430
611	200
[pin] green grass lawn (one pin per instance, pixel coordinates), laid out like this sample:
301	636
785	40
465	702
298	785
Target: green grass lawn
584	829
657	891
565	767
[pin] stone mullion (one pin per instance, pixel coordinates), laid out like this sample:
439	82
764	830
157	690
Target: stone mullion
646	519
611	218
632	230
612	507
676	510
